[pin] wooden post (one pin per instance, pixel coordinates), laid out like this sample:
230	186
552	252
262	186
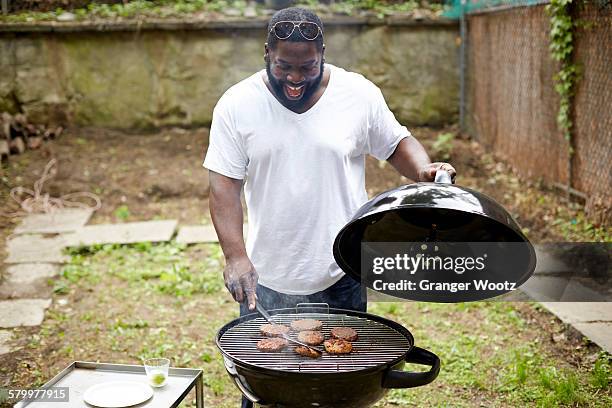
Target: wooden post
4	7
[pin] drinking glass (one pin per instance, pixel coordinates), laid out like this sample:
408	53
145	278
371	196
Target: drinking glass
157	371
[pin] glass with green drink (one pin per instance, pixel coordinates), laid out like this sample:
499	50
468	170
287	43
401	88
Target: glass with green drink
157	371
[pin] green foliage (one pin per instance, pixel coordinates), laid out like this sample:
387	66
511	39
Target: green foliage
179	280
380	8
578	227
121	325
443	146
163	267
601	375
521	367
560	388
561	47
177	8
122	212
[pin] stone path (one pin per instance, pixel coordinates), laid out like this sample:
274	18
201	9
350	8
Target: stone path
28	280
592	319
195	234
128	233
561	293
34	255
35	252
5	339
66	220
23	312
29	248
550	288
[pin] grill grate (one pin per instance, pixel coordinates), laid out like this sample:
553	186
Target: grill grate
377	344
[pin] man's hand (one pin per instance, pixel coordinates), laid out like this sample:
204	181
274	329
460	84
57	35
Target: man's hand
411	160
241	280
428	172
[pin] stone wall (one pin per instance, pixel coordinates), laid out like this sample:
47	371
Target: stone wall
140	78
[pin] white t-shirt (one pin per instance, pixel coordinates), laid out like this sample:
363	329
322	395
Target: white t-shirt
305	172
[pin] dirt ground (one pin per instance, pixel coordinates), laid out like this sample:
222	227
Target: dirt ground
141	176
159	175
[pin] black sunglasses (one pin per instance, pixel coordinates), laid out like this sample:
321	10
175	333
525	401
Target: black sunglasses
283	29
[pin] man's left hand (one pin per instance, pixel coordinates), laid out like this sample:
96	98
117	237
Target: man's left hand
428	172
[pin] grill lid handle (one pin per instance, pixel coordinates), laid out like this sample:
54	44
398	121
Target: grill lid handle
442	176
405	379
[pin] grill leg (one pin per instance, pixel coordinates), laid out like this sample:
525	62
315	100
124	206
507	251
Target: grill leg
246	403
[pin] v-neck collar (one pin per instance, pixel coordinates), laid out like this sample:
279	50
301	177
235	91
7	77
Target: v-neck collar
295	115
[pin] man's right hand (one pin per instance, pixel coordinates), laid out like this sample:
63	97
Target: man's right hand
241	280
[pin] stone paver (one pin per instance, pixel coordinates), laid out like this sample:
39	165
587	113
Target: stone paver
31	248
592	319
550	289
28	280
581	312
22	312
599	333
193	234
585	309
128	233
63	220
5	339
547	262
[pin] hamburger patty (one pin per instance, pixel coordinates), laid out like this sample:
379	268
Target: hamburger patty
312	338
272	345
306	324
338	346
344	333
273	330
307	352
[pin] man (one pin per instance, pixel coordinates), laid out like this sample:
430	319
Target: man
297	134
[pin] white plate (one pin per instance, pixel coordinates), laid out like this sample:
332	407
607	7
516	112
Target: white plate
117	394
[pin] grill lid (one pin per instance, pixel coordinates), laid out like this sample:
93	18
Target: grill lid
431	212
377	344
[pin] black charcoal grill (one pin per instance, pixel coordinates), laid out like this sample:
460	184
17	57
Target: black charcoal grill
358	379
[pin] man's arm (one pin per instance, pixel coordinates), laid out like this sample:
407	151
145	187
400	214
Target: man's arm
412	161
226	212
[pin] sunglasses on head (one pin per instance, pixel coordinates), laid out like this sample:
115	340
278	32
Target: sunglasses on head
283	29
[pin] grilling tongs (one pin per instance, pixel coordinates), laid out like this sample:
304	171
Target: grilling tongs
268	318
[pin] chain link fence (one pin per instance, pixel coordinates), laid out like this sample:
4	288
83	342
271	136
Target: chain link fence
592	168
511	104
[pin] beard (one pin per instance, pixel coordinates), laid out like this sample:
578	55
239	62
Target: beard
310	87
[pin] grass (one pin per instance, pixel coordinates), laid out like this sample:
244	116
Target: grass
126	303
122	213
162	268
601	375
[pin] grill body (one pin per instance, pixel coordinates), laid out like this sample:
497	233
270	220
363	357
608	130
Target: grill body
341	390
355	380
